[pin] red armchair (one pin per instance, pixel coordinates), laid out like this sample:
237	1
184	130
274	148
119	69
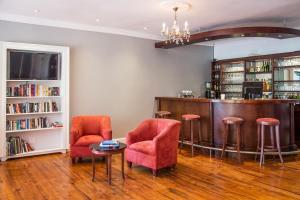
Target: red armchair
87	130
153	144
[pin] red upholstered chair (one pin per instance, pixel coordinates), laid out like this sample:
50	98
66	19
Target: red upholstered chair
153	144
87	130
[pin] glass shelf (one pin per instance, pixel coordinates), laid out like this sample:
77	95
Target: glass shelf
270	72
235	72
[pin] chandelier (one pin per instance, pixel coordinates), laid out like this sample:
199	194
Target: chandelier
174	35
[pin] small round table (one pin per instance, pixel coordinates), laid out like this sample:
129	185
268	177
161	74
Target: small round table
97	151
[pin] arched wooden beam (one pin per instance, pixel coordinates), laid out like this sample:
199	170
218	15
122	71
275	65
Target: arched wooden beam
270	32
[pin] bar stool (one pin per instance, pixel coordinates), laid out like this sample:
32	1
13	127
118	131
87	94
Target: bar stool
272	123
236	122
191	118
162	114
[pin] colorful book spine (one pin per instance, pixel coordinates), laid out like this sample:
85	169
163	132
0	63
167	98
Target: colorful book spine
38	107
31	90
16	145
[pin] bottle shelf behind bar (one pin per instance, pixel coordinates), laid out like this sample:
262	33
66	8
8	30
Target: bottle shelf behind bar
280	74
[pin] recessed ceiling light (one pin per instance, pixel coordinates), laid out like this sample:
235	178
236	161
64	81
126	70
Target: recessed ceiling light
36	11
145	28
98	20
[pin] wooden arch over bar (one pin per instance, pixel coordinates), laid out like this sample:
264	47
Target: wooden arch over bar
270	32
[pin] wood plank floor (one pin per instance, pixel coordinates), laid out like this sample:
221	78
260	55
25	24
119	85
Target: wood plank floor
200	177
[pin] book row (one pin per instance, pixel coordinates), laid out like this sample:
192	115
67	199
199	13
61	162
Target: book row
16	145
37	107
28	90
33	123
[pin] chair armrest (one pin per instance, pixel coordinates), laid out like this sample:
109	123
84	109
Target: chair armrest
168	139
74	135
106	134
134	136
138	134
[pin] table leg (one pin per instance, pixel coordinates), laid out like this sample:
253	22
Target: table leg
123	175
93	166
109	169
106	164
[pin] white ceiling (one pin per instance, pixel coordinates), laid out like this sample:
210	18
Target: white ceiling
129	17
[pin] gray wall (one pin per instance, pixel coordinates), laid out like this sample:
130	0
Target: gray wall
243	47
119	75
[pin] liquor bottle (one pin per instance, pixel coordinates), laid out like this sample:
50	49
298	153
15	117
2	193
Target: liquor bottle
267	66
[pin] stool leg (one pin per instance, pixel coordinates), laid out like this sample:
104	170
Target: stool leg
258	140
199	132
239	142
272	138
192	137
278	143
262	145
224	139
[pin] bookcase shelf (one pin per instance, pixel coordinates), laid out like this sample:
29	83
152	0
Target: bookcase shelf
36	113
37	152
36	129
34	97
33	80
42	140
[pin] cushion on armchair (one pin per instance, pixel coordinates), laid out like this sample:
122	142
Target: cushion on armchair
88	140
146	147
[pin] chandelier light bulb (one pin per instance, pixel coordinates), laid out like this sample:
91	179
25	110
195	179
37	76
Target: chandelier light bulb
163	27
186	25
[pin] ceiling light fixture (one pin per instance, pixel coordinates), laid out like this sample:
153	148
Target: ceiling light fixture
36	11
174	35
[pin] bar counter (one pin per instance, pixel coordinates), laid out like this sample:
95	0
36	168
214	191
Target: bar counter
212	111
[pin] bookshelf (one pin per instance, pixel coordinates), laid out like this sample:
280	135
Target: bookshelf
37	116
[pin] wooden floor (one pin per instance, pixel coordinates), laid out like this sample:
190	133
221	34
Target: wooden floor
200	177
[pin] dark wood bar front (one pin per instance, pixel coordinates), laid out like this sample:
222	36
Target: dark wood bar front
212	111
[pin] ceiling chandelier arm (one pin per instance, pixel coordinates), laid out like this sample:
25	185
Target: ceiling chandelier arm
175	12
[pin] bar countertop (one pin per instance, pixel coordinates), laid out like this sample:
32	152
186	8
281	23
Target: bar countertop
241	101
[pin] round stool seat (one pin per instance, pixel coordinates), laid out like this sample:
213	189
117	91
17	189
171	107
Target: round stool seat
190	117
163	113
268	121
232	120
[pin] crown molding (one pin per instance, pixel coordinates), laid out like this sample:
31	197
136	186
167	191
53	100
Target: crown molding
76	26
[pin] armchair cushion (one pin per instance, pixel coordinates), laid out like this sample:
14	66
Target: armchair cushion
146	147
88	139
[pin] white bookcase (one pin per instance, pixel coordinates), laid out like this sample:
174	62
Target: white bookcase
43	140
